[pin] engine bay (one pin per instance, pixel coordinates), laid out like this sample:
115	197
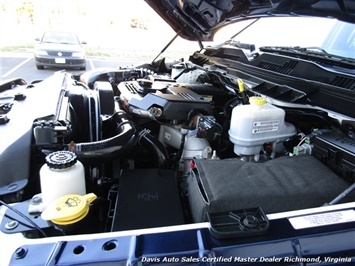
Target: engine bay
163	145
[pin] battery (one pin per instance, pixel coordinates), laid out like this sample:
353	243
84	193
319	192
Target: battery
278	185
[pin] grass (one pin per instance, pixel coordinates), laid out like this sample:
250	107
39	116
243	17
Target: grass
18	48
119	53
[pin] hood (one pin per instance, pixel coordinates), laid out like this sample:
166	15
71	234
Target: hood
200	19
59	47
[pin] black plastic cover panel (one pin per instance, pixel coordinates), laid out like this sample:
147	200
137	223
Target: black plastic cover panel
175	100
147	198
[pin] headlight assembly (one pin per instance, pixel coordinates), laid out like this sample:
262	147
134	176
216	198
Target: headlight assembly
78	54
41	52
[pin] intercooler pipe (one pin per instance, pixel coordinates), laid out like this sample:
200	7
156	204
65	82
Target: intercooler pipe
154	145
116	145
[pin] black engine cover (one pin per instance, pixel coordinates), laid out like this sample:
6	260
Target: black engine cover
175	100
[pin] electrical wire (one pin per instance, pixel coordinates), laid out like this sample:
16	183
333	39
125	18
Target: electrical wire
24	217
302	141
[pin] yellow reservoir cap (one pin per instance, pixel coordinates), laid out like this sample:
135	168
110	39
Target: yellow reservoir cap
68	209
257	100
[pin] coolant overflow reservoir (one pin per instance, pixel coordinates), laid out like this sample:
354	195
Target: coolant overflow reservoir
68	209
61	175
257	123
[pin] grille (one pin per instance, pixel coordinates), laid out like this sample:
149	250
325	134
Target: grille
344	82
283	69
53	53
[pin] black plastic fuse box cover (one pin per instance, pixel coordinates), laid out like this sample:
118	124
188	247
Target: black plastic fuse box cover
336	150
147	198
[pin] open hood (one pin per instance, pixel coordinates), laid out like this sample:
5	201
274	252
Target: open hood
200	19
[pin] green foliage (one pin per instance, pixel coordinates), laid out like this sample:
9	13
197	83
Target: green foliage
26	9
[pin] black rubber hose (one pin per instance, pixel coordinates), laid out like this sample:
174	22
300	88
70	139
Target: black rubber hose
154	145
123	141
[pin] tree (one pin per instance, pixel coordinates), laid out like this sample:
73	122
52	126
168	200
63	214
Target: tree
25	9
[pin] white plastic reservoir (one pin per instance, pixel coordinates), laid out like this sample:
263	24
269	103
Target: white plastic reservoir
61	175
257	123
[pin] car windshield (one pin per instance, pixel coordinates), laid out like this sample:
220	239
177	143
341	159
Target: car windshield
60	37
327	36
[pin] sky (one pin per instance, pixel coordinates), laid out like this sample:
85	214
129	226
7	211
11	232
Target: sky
101	23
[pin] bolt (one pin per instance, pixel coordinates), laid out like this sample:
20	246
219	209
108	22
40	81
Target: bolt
36	200
20	253
19	96
3	119
10	225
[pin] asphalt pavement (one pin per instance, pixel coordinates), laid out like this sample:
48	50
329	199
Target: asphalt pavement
22	65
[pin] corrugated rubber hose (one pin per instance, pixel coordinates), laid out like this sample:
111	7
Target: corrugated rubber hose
114	146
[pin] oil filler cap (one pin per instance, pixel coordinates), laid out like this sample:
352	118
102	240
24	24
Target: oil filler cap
68	209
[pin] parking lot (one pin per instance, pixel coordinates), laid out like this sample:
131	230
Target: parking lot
22	65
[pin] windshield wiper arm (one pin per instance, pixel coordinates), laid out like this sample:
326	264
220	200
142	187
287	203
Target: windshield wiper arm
312	52
314	49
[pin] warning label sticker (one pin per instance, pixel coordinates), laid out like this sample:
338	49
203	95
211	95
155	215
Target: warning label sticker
321	219
267	126
266	123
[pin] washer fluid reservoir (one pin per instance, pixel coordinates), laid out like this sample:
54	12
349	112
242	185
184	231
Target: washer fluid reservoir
257	123
61	175
68	209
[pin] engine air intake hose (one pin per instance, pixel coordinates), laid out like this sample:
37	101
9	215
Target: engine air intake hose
116	145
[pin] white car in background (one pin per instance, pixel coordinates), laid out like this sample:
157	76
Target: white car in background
60	49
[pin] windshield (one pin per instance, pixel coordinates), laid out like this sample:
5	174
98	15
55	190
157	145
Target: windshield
328	35
60	37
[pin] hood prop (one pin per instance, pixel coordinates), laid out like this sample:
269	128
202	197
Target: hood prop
172	40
